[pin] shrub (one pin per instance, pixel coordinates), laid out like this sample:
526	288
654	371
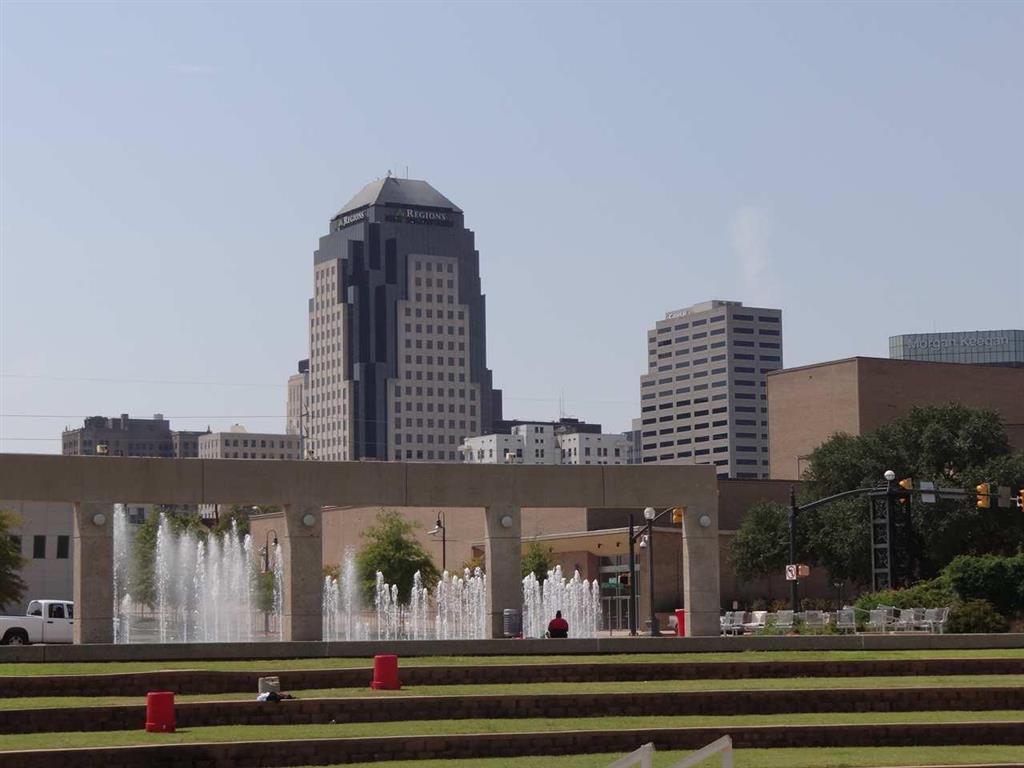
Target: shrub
998	580
934	593
975	616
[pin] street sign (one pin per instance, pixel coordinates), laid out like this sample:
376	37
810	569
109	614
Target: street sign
797	571
927	498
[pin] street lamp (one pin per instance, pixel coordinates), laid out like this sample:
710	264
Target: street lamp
266	569
649	514
439	527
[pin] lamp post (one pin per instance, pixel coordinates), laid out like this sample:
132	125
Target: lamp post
266	569
649	514
439	527
632	578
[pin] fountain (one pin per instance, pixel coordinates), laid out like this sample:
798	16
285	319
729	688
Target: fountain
205	588
579	601
456	609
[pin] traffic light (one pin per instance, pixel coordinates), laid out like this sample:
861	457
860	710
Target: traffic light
983	501
677	515
907	484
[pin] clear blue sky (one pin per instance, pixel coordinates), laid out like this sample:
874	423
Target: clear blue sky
168	168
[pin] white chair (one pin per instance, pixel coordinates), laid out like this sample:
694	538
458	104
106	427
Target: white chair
846	620
908	619
758	619
814	619
783	620
878	620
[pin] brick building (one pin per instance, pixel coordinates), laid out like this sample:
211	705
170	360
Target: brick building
809	404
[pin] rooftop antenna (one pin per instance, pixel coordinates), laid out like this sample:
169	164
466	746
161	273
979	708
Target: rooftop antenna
561	405
407	172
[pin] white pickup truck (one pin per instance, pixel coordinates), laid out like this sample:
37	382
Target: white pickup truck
45	621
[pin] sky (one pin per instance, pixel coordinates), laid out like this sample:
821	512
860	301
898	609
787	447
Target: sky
166	170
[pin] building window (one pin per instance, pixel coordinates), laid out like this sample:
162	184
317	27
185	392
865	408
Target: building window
38	547
63	547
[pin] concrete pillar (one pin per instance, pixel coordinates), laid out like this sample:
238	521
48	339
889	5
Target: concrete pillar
503	553
701	592
93	530
301	548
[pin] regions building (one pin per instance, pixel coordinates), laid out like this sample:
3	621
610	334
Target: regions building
1001	348
567	441
125	436
811	403
397	330
702	400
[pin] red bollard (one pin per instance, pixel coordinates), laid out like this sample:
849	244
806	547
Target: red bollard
160	712
385	673
680	622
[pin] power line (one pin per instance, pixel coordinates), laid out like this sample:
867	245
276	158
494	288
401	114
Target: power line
183	382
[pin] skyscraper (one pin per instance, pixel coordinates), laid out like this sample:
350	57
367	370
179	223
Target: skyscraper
703	398
397	349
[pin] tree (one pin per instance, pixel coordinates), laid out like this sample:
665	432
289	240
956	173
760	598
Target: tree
761	546
536	561
238	515
951	445
390	548
12	586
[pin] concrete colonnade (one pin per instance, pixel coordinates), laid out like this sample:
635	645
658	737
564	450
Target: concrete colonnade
93	484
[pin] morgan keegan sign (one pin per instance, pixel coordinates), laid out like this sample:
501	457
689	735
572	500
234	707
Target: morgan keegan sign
399	216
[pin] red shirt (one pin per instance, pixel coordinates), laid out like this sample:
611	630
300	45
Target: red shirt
558	625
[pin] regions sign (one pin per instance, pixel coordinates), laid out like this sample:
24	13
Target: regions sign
418	216
349	219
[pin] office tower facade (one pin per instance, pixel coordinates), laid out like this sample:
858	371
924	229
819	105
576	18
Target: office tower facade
703	398
1000	348
397	352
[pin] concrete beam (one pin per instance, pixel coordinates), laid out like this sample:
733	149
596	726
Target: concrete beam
114	479
503	553
93	530
302	550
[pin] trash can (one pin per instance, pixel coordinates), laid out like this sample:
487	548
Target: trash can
511	622
385	673
160	712
681	622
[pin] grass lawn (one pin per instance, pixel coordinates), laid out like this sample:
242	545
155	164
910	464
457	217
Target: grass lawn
833	757
282	665
651	686
448	727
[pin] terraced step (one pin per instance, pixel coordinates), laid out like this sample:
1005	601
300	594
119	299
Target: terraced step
352	750
213	681
425	708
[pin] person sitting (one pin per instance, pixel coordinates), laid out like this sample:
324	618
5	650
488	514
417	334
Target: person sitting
558	627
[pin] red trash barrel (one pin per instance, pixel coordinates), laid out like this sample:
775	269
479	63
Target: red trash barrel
680	622
385	673
160	712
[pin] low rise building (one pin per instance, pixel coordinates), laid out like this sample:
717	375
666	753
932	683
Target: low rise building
549	443
810	404
239	443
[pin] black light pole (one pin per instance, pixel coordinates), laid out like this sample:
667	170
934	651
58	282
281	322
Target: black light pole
266	569
794	596
649	514
439	528
632	578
